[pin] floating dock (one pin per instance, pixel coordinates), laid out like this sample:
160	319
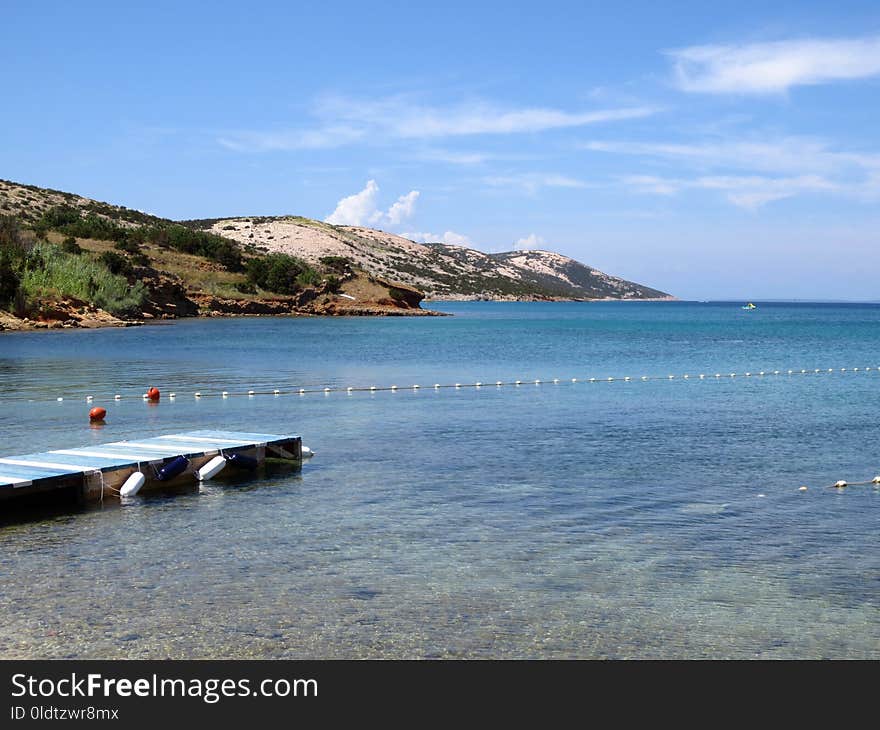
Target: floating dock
93	473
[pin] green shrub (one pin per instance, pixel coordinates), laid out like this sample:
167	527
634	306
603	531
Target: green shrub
280	273
334	284
69	245
398	295
339	264
12	256
129	245
115	263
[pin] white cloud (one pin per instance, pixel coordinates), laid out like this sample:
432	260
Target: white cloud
296	139
749	192
342	120
532	182
769	169
450	237
402	117
774	67
362	209
403	208
358	209
530	242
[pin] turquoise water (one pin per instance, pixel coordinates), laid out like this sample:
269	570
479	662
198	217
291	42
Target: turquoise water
624	519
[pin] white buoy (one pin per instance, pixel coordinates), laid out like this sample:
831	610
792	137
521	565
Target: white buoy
89	398
477	385
172	395
702	375
802	489
117	397
302	391
458	385
556	381
436	385
498	383
146	397
416	386
372	387
537	382
672	377
132	485
349	389
610	380
627	377
59	399
211	468
198	395
644	377
776	372
307	453
748	375
519	382
225	394
840	484
574	380
592	380
393	387
686	376
876	480
250	394
717	375
276	392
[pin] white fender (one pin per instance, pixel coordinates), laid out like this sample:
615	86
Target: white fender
212	468
307	453
133	484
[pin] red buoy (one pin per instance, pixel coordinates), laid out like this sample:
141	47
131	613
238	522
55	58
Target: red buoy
153	394
97	414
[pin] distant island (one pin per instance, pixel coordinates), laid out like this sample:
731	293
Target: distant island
70	261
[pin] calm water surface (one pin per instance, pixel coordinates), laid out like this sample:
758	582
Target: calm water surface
625	519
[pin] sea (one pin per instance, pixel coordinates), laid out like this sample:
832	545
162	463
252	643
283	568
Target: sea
584	513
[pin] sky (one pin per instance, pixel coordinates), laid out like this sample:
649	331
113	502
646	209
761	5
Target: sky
712	150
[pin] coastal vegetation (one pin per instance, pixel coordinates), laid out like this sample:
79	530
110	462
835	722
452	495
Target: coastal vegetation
33	272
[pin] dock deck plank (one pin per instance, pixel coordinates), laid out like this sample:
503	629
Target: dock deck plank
17	471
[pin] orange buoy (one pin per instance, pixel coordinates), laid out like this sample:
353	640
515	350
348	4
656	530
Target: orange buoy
153	394
97	414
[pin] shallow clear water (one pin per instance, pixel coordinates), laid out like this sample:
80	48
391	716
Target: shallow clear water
624	519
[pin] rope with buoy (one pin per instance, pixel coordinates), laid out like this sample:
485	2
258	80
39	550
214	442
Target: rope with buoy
153	394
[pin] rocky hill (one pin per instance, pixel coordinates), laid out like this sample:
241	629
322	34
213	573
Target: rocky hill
440	270
68	260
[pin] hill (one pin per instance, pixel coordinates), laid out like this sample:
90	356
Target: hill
67	260
441	271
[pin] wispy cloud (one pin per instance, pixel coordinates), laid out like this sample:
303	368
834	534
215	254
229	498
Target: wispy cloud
293	139
362	208
774	67
749	192
342	121
753	173
532	182
402	117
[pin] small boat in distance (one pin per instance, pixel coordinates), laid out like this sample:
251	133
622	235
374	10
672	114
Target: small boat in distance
749	306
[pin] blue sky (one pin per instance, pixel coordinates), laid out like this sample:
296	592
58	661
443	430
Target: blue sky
710	150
